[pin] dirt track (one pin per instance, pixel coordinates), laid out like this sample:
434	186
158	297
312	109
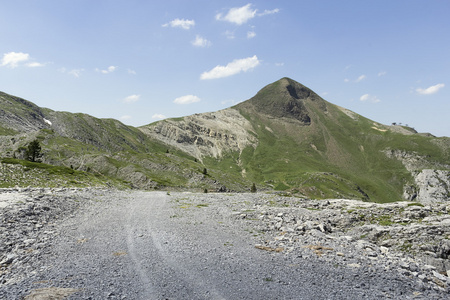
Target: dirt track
151	245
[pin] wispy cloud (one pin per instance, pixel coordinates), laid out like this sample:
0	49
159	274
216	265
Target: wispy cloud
110	69
232	68
430	90
131	99
76	72
181	23
251	34
240	15
132	72
158	116
269	12
200	42
369	98
382	73
279	64
360	78
35	64
229	34
188	99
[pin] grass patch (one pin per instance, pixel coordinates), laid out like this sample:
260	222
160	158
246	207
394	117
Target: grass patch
415	204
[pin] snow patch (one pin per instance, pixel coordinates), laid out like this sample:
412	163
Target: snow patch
47	121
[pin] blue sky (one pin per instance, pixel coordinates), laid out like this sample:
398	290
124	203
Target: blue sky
140	61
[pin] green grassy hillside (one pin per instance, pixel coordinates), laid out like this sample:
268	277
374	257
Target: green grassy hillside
285	138
333	154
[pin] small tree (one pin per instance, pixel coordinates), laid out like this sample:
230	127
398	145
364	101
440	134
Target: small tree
253	189
33	152
205	172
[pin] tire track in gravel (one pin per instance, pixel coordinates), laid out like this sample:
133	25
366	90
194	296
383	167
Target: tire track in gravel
149	218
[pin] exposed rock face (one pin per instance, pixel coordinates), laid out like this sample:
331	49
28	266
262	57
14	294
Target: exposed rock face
208	134
433	185
20	115
413	161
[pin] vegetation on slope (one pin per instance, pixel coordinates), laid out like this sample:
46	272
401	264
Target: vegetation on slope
299	143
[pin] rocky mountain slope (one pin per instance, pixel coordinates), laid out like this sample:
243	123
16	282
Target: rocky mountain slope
285	138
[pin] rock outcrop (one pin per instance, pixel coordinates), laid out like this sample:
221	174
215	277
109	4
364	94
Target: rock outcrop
207	134
433	185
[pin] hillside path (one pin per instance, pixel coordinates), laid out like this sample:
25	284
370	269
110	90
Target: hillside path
152	245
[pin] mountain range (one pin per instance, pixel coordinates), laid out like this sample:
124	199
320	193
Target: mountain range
286	138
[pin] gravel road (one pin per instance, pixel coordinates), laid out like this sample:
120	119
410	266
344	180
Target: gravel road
156	245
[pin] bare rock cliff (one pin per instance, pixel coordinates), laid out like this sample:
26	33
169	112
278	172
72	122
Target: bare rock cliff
432	181
433	185
207	134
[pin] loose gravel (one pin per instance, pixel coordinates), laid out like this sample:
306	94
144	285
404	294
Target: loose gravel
104	244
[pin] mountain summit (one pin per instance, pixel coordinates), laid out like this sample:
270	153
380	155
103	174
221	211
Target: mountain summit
285	98
285	138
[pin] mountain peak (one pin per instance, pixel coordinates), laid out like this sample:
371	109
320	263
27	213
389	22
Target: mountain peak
285	98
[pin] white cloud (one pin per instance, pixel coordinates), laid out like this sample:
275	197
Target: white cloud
182	23
35	65
382	73
364	97
201	42
158	116
232	68
430	90
132	72
110	69
240	15
360	78
12	59
279	64
131	99
369	98
75	72
188	99
251	34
